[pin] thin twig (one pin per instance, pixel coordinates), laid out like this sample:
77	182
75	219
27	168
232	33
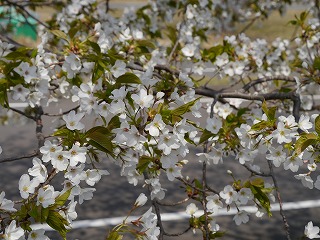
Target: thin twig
23	113
11	159
159	222
284	219
177	234
173	204
190	185
267	79
173	50
107	6
40	136
255	172
249	25
60	114
206	234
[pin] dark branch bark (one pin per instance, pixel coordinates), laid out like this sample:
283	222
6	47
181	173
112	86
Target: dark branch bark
255	172
266	79
173	204
23	113
284	219
107	6
12	159
60	114
177	234
40	137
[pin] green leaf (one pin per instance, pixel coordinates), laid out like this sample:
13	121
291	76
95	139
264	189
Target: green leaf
8	67
60	34
262	198
179	111
104	141
146	43
198	184
61	199
114	235
317	125
316	63
72	32
260	125
258	182
270	112
100	137
143	163
95	47
62	132
305	140
113	123
98	71
39	213
128	78
4	95
205	136
57	222
217	234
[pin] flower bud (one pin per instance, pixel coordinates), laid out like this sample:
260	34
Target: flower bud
141	200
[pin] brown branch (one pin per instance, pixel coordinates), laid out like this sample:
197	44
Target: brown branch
211	189
22	113
266	79
40	137
159	222
177	234
107	6
190	185
167	69
284	219
141	69
206	233
60	114
255	172
11	159
173	204
249	25
294	97
296	106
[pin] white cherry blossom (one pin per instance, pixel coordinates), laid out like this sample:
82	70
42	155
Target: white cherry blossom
191	209
72	120
311	231
5	204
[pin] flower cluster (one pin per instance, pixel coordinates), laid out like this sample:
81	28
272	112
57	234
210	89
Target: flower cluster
139	76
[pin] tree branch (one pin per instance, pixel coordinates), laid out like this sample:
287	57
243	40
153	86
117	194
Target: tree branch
284	219
266	79
177	234
255	172
173	204
22	113
11	159
40	137
60	114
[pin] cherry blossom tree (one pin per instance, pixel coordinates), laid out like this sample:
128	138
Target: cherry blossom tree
142	75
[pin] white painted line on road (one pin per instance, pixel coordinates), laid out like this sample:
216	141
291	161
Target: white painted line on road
182	215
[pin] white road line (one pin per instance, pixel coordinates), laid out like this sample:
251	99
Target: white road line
182	215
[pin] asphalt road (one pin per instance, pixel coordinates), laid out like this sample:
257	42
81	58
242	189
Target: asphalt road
114	195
